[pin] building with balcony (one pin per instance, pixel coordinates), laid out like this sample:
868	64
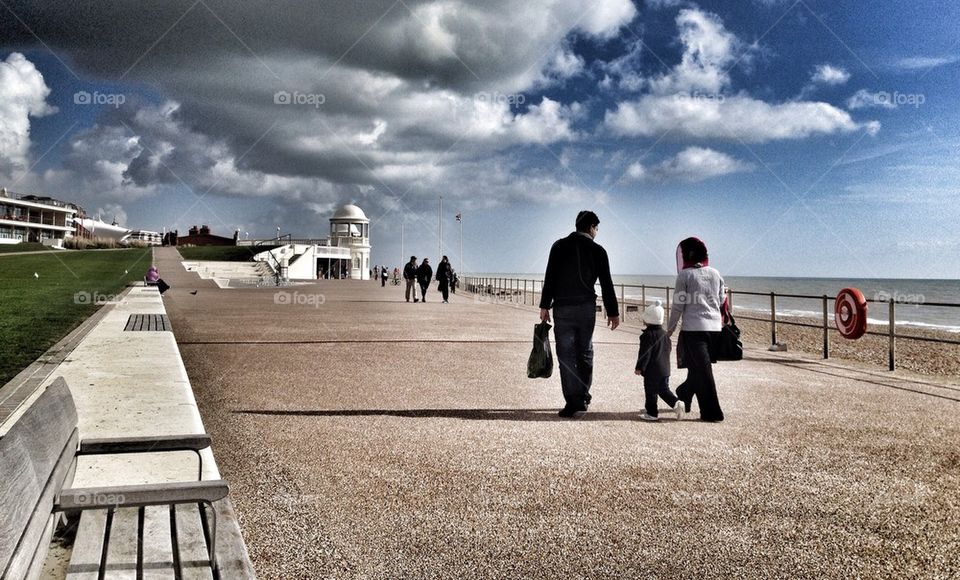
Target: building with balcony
32	218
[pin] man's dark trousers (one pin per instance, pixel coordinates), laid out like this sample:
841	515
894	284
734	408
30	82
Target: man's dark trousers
573	333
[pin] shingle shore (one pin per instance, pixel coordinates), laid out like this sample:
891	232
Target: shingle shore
381	439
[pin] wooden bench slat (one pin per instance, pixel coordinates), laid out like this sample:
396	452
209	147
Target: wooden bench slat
122	550
157	549
87	547
194	558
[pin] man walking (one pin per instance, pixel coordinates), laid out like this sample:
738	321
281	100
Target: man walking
383	276
424	276
410	275
576	263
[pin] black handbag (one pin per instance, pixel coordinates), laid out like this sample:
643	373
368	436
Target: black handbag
728	346
540	363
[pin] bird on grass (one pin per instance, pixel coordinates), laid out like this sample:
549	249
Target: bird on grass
37	276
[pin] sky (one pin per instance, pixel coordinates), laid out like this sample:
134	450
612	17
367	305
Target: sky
796	138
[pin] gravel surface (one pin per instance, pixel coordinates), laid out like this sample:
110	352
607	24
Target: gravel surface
369	438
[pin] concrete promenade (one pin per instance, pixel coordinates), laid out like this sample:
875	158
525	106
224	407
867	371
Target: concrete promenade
367	437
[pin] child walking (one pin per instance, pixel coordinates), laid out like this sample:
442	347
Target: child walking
653	363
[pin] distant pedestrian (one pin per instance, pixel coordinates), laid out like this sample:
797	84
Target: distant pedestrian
454	282
383	276
375	273
653	363
424	276
396	276
698	300
576	263
444	277
410	275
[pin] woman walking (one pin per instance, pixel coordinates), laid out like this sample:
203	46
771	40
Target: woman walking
444	277
698	300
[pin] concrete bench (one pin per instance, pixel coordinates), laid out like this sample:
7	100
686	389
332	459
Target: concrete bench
161	530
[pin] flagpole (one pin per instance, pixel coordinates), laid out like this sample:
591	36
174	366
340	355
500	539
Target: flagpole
460	219
440	227
402	254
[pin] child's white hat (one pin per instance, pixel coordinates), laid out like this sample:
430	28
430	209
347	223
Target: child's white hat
653	314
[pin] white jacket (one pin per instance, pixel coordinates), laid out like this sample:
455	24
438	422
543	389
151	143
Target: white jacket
697	298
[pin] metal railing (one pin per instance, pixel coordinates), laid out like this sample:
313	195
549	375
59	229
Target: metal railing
527	292
272	260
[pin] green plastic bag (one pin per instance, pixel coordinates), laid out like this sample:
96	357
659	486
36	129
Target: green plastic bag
540	363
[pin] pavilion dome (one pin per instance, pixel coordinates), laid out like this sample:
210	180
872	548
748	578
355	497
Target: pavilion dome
350	212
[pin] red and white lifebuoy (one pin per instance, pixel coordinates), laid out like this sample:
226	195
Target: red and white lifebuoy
850	313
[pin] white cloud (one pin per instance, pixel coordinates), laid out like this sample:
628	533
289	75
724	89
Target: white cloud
112	212
564	64
605	19
829	75
691	165
924	62
635	172
864	99
625	69
708	50
735	118
656	4
23	94
698	163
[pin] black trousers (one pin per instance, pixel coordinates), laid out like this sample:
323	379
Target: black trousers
423	290
700	382
653	388
445	290
573	333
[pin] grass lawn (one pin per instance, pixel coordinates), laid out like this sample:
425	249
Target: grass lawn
36	312
222	253
23	247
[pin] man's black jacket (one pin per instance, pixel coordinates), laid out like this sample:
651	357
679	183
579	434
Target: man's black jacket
576	263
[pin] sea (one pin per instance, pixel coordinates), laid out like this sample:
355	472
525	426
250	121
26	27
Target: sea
917	301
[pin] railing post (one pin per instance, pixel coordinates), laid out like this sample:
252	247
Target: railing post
524	291
773	318
893	336
826	329
666	303
623	304
643	295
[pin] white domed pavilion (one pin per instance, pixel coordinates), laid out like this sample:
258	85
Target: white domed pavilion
349	227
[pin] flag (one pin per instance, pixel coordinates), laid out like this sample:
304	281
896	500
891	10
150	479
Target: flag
459	217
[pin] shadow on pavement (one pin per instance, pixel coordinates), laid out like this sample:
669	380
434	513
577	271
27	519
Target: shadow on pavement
468	414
